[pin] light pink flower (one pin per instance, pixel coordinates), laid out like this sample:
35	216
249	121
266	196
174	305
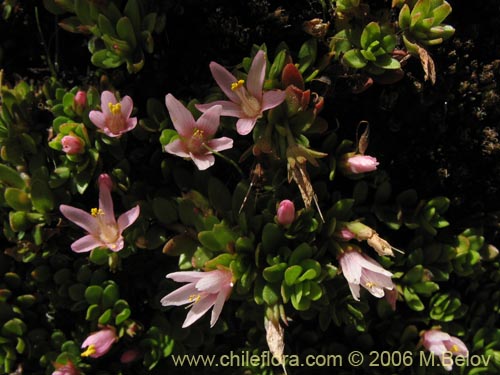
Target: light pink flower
361	164
101	225
247	100
345	234
99	343
360	269
286	212
195	137
439	343
114	118
72	145
205	289
66	369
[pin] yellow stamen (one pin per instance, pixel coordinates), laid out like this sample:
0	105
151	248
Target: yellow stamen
198	133
195	298
454	348
96	211
237	85
89	351
115	108
370	284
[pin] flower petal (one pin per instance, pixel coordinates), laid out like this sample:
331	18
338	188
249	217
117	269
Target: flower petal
117	245
186	276
372	265
85	244
219	304
106	98
220	144
130	124
272	99
376	278
178	148
199	309
127	106
128	218
209	121
245	125
351	269
203	161
456	346
228	108
180	296
212	281
81	218
224	79
98	119
182	119
354	290
256	75
106	203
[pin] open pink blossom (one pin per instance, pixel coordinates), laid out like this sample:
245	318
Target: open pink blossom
440	343
114	118
205	289
361	270
102	227
195	137
361	164
99	343
247	100
66	369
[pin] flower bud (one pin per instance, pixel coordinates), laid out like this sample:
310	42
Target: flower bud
72	145
360	164
286	212
105	181
130	356
80	101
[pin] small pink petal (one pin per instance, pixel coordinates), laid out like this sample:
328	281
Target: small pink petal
186	276
245	125
216	311
106	202
117	245
127	106
180	296
128	218
220	144
178	148
85	244
209	121
130	125
461	348
228	108
224	79
355	290
181	118
256	75
81	218
198	309
106	98
98	119
203	161
272	99
350	267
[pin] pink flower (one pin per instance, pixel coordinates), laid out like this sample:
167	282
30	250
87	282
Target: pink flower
195	137
440	343
359	269
99	343
101	225
66	369
286	212
72	145
114	120
80	101
361	164
130	356
205	289
247	101
345	234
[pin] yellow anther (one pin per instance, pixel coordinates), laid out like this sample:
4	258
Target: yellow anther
194	298
237	85
89	351
96	211
115	108
370	284
454	348
198	133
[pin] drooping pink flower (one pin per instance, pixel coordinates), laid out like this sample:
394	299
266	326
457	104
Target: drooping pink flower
99	343
195	137
361	164
439	343
205	289
66	369
361	270
102	227
286	212
247	101
72	145
114	118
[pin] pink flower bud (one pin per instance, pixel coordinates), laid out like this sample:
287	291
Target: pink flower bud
361	164
286	212
130	356
99	343
80	99
72	145
345	234
105	181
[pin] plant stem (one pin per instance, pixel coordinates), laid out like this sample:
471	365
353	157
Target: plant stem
42	40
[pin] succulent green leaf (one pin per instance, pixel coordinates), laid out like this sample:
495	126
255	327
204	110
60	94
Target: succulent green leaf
133	12
354	59
93	294
387	62
110	295
126	32
274	273
370	34
42	197
292	274
307	54
14	327
17	199
10	177
122	316
105	317
300	253
414	302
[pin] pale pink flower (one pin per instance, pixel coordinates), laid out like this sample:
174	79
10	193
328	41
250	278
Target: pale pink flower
66	369
361	164
72	145
205	289
360	269
195	137
99	343
114	118
439	343
286	212
391	296
247	100
101	225
345	234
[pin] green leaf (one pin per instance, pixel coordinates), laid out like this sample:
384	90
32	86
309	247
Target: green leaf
17	199
126	31
300	253
404	18
133	12
42	197
387	62
370	33
164	210
110	295
278	64
274	274
292	273
269	295
272	237
413	300
218	195
307	54
105	317
122	316
10	177
354	59
93	294
105	26
15	327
